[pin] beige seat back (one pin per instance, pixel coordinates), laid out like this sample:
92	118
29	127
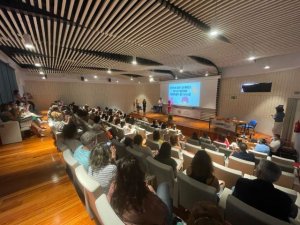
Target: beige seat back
286	180
92	190
191	191
152	144
72	163
219	144
192	148
107	215
242	165
187	159
175	153
237	213
216	157
281	160
230	176
258	154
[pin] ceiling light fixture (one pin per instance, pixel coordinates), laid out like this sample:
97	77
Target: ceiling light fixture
176	78
151	79
27	41
86	80
251	58
206	74
181	69
131	78
117	81
214	33
44	77
108	71
134	62
41	72
139	82
95	76
267	67
37	63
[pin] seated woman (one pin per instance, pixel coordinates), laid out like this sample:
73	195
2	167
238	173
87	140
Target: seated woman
102	167
139	145
156	137
82	153
132	200
69	133
201	169
262	146
164	156
174	141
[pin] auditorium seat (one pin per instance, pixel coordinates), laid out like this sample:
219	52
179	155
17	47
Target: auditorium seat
92	190
141	131
175	153
187	159
286	180
120	150
226	151
216	157
192	148
242	165
228	175
193	141
238	212
153	145
258	155
205	140
140	158
162	172
71	164
219	144
281	160
191	191
107	215
208	146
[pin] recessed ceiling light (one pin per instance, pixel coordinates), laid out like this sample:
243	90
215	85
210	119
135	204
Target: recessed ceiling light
134	62
267	67
181	69
131	78
151	79
117	81
109	71
214	33
251	58
27	41
44	78
37	64
139	82
95	76
86	80
41	73
206	74
176	77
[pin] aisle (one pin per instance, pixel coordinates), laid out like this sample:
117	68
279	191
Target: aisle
35	188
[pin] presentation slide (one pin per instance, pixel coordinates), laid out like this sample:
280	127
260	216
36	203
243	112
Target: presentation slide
185	94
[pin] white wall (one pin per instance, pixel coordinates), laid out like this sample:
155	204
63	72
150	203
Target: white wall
18	71
258	106
117	95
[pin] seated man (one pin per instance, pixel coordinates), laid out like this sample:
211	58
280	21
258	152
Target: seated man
275	143
262	146
139	145
241	153
262	195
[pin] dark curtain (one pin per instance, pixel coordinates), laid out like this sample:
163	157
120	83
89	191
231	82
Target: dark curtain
8	83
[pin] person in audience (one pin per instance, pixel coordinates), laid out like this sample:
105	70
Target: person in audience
262	146
128	142
102	167
235	144
56	115
174	141
201	169
195	136
275	144
262	195
6	114
206	213
82	153
163	126
156	137
206	136
154	124
139	146
224	140
164	156
132	200
69	133
241	153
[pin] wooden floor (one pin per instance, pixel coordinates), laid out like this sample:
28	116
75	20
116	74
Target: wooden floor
188	125
35	188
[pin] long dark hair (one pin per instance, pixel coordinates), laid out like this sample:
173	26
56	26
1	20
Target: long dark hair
202	167
164	151
130	189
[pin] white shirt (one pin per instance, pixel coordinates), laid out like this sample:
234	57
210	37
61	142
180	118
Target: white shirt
275	145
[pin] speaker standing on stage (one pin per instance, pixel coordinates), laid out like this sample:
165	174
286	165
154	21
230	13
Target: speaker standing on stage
160	105
278	120
144	106
169	106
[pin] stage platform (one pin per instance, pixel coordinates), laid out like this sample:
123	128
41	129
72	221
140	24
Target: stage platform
188	126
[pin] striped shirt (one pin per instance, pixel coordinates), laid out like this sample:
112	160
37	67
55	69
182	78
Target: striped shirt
103	176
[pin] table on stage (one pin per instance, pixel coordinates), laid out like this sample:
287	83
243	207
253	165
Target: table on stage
230	125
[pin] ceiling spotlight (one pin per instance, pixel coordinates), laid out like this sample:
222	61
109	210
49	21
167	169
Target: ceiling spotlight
134	62
41	72
139	82
27	41
176	78
206	74
131	78
44	77
37	63
151	79
109	71
251	58
95	76
86	80
214	33
117	81
267	67
181	69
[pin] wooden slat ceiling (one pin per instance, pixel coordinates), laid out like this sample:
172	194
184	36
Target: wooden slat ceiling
81	37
